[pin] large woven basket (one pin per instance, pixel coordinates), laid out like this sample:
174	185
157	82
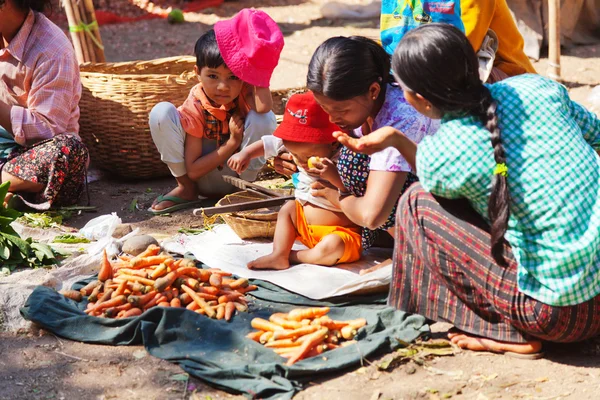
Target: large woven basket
116	101
250	224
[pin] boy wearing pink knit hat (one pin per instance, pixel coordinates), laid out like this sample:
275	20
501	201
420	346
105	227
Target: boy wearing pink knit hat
228	110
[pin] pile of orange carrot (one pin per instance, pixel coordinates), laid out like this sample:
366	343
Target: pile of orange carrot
134	284
304	333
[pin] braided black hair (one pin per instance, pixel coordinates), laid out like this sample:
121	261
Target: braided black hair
438	62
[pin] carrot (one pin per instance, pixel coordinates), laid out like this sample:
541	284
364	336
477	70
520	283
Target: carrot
348	332
137	287
204	275
140	301
200	311
105	268
264	325
132	278
117	301
305	330
121	289
89	288
240	307
221	311
176	303
329	323
357	323
333	337
168	280
151	250
200	301
219	272
315	351
71	294
281	343
239	283
185	298
208	290
191	282
141	262
247	289
193	306
153	301
205	296
332	346
265	337
255	335
280	319
164	304
134	272
114	311
305	322
94	295
226	298
189	271
315	339
299	314
215	280
162	298
229	310
286	352
134	312
106	295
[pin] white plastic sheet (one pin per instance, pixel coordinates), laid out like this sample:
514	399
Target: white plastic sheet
222	248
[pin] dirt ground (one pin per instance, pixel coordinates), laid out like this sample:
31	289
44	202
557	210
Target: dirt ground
46	367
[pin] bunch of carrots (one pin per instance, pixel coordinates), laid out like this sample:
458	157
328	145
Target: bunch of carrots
132	285
304	333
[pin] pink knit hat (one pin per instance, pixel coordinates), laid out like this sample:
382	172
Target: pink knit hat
250	44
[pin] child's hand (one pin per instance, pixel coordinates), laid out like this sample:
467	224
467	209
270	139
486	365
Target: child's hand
238	162
236	128
326	169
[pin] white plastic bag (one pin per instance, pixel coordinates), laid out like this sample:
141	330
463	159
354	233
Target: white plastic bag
335	10
101	227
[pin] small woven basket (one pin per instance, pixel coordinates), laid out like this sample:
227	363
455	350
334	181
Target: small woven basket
250	224
115	104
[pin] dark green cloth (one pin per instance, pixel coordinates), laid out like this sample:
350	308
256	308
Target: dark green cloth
217	351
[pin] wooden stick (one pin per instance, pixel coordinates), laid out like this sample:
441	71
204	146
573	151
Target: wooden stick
75	36
242	184
91	18
554	39
88	41
249	205
82	38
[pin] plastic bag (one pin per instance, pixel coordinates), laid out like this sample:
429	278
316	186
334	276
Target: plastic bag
101	227
335	10
400	16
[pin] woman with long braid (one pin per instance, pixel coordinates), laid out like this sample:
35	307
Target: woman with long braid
501	237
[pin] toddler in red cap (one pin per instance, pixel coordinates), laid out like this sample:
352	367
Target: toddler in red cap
229	109
331	237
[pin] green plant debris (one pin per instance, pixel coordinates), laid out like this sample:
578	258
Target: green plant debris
70	239
418	353
41	220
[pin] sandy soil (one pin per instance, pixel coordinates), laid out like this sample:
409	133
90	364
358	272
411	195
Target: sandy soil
45	367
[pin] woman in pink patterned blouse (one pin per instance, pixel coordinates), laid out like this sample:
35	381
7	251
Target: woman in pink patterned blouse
41	153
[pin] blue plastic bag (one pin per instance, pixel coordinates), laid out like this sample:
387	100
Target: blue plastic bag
400	16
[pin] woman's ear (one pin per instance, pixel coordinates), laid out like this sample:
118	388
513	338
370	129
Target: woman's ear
374	91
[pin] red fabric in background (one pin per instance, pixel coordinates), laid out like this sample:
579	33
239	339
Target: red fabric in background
107	17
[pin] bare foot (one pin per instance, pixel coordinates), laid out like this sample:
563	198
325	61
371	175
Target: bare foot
271	261
477	343
183	192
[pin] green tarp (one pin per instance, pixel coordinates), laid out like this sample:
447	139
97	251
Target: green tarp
217	351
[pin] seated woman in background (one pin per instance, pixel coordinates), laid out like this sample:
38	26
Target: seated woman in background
40	150
501	236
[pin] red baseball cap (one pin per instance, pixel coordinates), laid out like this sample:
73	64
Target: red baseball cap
304	121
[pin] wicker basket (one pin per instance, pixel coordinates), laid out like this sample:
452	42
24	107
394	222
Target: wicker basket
115	103
250	224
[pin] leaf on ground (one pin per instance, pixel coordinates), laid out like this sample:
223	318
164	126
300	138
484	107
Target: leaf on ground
139	354
180	377
133	205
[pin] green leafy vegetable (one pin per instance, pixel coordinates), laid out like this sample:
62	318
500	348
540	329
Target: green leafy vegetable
70	239
15	251
41	220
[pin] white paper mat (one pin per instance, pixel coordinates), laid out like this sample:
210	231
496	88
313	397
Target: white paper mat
222	248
